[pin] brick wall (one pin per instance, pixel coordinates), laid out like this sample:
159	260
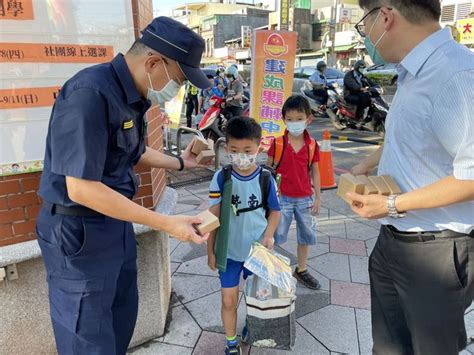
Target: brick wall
19	206
19	202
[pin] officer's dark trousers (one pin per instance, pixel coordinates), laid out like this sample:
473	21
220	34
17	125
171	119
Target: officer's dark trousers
321	95
420	292
92	276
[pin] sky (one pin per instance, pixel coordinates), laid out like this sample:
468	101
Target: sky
163	7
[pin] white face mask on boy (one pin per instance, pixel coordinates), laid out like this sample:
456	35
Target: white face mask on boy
242	161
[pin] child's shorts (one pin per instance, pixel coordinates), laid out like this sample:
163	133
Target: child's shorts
231	277
305	227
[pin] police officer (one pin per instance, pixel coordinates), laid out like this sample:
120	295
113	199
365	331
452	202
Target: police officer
96	135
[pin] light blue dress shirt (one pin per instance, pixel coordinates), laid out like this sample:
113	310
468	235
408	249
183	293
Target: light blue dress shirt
430	129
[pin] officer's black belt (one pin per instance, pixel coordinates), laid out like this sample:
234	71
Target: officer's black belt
413	237
77	211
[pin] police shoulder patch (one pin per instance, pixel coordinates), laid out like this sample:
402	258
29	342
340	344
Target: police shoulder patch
127	124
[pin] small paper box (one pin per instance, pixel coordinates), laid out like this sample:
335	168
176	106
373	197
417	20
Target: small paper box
199	144
205	157
210	144
210	222
370	188
392	185
349	183
380	184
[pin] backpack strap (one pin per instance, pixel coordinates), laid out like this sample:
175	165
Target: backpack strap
226	173
311	152
264	181
279	145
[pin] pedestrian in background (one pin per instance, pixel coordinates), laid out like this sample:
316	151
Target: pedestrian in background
421	269
192	103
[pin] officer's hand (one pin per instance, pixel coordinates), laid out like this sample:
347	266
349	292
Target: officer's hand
189	158
182	229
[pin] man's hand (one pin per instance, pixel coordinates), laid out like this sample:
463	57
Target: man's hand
268	242
211	261
316	206
189	158
360	169
182	229
369	206
229	99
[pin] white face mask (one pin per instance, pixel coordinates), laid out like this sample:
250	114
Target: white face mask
169	91
242	161
296	128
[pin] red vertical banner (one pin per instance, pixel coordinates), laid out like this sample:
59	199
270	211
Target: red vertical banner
273	64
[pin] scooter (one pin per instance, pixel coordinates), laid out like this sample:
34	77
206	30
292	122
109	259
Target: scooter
343	114
214	121
316	102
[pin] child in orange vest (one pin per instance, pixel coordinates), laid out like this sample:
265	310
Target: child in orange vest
295	156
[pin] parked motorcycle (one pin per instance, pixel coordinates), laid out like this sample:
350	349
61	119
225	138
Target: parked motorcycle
343	114
214	121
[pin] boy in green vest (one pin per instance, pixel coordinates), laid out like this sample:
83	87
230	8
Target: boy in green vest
244	196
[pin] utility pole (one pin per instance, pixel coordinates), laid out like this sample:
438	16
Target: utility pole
332	34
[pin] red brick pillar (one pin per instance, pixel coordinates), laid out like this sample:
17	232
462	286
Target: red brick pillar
19	203
152	180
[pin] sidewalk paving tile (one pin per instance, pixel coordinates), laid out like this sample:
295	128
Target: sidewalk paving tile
350	294
323	214
333	266
308	300
285	253
188	251
370	222
173	267
469	320
291	246
347	246
155	348
322	238
207	312
360	231
359	266
335	327
210	343
332	228
364	330
175	300
197	266
173	243
191	287
370	243
305	344
182	330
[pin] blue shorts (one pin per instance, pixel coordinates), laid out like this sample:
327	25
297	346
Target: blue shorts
301	209
231	277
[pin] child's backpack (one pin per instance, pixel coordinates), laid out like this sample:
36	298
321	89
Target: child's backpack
279	145
265	180
222	237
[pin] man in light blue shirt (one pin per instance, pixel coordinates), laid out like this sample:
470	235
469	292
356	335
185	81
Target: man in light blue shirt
421	269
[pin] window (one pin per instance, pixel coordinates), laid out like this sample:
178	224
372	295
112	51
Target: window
463	11
447	13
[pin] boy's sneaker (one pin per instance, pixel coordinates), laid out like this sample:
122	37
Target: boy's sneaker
233	349
307	279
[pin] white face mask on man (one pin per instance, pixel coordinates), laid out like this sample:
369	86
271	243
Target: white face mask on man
169	91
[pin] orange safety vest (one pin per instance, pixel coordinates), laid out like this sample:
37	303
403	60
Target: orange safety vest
279	145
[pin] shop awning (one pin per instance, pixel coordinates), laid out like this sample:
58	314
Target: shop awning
338	49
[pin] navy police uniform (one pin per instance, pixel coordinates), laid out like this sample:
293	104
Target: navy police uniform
97	132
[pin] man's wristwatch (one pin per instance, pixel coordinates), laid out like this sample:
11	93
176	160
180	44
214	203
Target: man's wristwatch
392	210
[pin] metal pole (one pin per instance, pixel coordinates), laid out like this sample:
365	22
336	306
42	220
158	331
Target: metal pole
332	34
185	129
217	144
